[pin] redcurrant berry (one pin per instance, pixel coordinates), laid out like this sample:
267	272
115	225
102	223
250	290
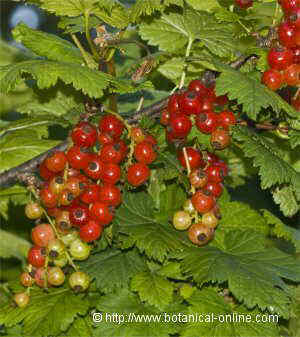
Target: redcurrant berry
84	134
110	194
26	279
180	125
36	256
173	104
78	157
280	58
95	166
194	158
207	122
226	119
145	153
200	234
42	234
56	162
214	173
80	250
90	194
272	79
198	178
48	198
216	189
33	210
190	103
79	281
90	231
111	125
102	213
21	299
113	153
220	139
182	220
138	174
203	201
111	173
56	277
292	75
79	215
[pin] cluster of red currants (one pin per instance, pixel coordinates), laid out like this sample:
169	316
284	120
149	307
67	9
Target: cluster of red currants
79	195
206	171
284	58
197	105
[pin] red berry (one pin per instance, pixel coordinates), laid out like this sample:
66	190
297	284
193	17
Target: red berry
76	185
294	17
95	167
180	125
44	172
280	58
244	4
40	277
211	158
198	178
206	105
165	117
289	5
286	34
272	79
84	134
296	54
105	138
145	153
150	139
222	100
91	231
42	234
173	104
202	90
56	162
223	165
90	194
113	153
26	279
36	256
207	122
111	173
190	103
215	173
292	75
226	119
101	212
220	139
137	174
79	215
203	201
78	157
194	158
48	198
110	194
296	104
56	185
111	125
137	134
216	189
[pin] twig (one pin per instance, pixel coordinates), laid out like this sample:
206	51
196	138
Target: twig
11	176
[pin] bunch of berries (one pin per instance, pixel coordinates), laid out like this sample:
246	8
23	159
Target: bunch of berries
80	192
284	57
206	170
197	105
206	174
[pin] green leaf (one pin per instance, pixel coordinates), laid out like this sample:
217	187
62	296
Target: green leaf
171	200
286	200
294	138
273	169
113	268
203	5
47	45
70	7
249	92
170	32
153	288
47	73
172	69
13	245
148	7
36	124
60	100
239	216
216	315
135	319
116	15
73	25
254	274
135	218
280	230
16	194
47	313
20	146
81	327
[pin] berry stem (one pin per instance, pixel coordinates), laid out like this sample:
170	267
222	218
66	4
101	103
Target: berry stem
90	62
187	54
88	35
188	167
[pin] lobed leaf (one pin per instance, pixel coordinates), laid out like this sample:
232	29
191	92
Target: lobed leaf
254	274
